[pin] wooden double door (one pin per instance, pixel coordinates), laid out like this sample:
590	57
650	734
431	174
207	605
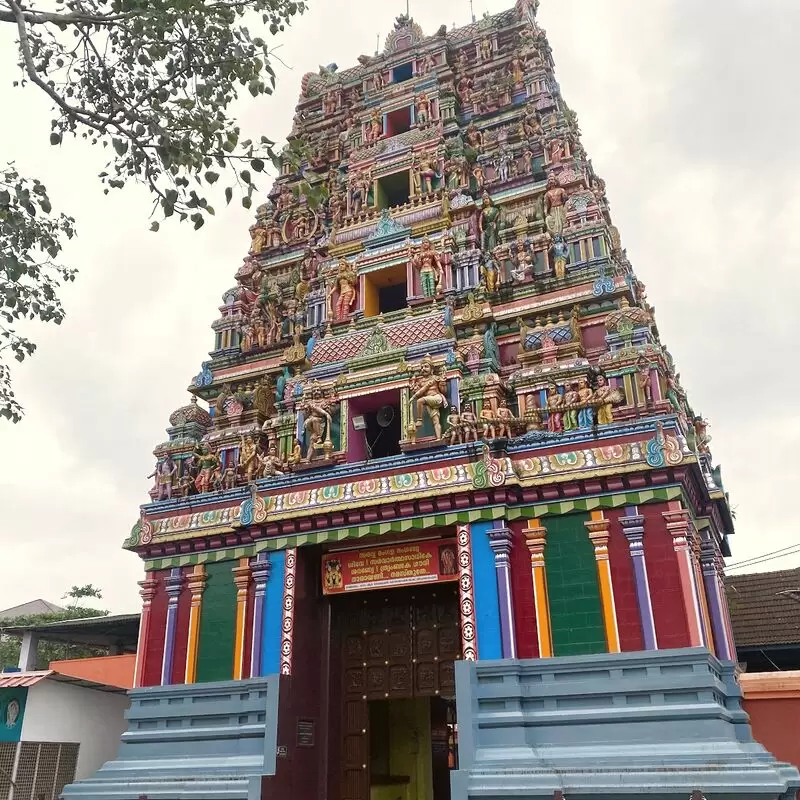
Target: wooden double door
396	644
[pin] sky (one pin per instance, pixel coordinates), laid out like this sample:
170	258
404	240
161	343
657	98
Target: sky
684	114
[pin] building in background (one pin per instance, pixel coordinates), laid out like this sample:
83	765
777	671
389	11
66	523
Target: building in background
451	527
31	608
61	724
765	612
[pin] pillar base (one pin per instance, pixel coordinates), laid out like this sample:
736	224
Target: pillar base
656	725
209	741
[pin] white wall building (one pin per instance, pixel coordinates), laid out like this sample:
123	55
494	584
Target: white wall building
55	729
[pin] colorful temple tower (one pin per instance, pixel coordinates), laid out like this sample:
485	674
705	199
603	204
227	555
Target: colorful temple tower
451	527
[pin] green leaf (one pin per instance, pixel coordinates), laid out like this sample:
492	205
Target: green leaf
247	202
154	227
55	138
228	194
245	176
257	164
212	177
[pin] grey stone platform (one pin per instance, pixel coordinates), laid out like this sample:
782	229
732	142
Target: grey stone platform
207	741
655	725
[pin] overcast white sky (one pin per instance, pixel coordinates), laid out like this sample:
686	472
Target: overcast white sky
687	112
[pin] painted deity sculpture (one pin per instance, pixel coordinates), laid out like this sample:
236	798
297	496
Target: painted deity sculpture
603	396
428	396
505	418
469	424
489	222
555	413
317	423
423	110
555	199
643	383
208	464
454	427
516	69
533	414
560	251
164	474
344	286
425	175
571	400
270	463
248	458
586	412
429	266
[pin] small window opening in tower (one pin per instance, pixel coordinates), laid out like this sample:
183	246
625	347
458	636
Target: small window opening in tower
385	290
398	121
394	190
403	72
379	430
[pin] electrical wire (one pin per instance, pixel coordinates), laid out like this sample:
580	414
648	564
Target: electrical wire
784	553
763	555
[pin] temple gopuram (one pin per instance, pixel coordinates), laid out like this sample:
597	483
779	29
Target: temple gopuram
450	527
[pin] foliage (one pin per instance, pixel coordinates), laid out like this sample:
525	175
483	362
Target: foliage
31	239
47	651
153	82
77	593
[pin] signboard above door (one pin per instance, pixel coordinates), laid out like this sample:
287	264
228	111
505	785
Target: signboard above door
389	566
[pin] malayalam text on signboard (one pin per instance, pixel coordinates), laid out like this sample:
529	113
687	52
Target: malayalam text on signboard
390	566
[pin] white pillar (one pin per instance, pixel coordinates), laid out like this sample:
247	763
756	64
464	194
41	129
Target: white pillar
27	651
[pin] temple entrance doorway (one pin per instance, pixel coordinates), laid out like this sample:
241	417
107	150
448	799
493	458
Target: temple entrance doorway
393	693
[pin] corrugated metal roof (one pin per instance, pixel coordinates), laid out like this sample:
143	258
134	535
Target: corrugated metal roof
17	680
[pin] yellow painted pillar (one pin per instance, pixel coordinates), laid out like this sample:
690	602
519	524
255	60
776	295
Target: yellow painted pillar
241	577
197	585
598	533
535	536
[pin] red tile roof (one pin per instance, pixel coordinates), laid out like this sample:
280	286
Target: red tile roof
765	607
16	680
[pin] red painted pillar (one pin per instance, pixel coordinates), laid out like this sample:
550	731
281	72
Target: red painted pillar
148	590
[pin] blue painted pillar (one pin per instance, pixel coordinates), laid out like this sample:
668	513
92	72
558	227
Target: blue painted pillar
487	605
500	540
273	615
